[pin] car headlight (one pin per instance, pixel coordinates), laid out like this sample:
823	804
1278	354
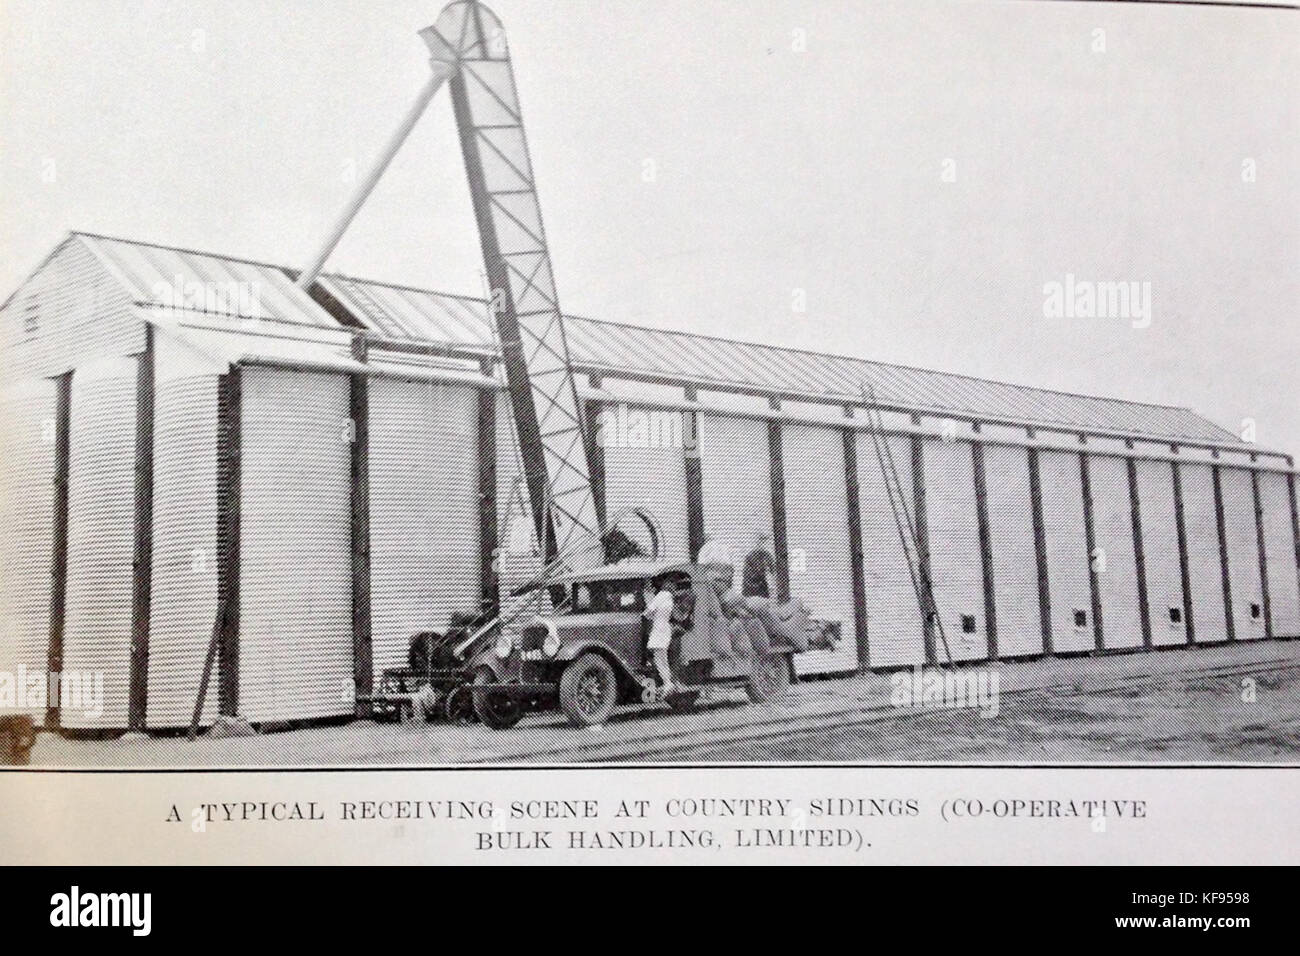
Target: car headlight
551	643
505	644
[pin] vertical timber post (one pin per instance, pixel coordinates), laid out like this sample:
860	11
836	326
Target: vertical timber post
780	537
1184	558
1221	524
856	557
596	456
1040	545
228	543
1090	535
1139	554
986	546
1263	553
694	484
142	547
59	559
362	629
489	534
928	609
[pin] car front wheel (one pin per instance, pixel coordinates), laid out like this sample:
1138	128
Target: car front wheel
588	691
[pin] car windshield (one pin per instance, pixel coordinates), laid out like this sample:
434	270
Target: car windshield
594	596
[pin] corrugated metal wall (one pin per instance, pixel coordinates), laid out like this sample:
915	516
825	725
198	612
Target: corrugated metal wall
1112	521
27	442
1155	480
101	532
424	528
519	554
956	567
1243	553
1205	569
1280	549
737	482
295	573
894	630
1015	569
1067	551
817	532
183	604
649	473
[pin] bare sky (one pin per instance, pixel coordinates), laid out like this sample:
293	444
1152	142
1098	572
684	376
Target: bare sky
232	127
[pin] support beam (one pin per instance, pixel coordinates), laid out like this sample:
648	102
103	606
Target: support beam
780	538
596	456
1040	548
1184	557
1090	534
986	549
228	490
1263	554
1220	524
1295	524
857	560
694	490
362	627
142	546
59	560
928	610
1139	554
489	533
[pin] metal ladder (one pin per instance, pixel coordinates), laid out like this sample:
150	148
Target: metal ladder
908	534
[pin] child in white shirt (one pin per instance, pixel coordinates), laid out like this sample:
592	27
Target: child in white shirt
659	608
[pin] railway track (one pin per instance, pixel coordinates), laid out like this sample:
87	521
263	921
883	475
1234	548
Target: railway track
696	743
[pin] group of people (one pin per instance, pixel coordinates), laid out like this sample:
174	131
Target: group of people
757	579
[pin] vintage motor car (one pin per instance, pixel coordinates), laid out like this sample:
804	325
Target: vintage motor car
589	655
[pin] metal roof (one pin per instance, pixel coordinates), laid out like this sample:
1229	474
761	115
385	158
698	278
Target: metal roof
400	312
181	280
663	355
421	316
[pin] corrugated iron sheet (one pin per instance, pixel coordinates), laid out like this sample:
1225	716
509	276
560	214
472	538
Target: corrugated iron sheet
1112	522
183	604
1015	570
821	569
101	534
1280	548
1067	551
1243	553
1160	551
295	560
1204	568
955	561
27	516
424	530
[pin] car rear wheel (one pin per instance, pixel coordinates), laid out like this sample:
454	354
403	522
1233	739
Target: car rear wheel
496	709
588	691
771	678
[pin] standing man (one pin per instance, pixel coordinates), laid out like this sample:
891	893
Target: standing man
759	577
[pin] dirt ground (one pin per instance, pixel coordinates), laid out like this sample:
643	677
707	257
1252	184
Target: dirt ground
1185	705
